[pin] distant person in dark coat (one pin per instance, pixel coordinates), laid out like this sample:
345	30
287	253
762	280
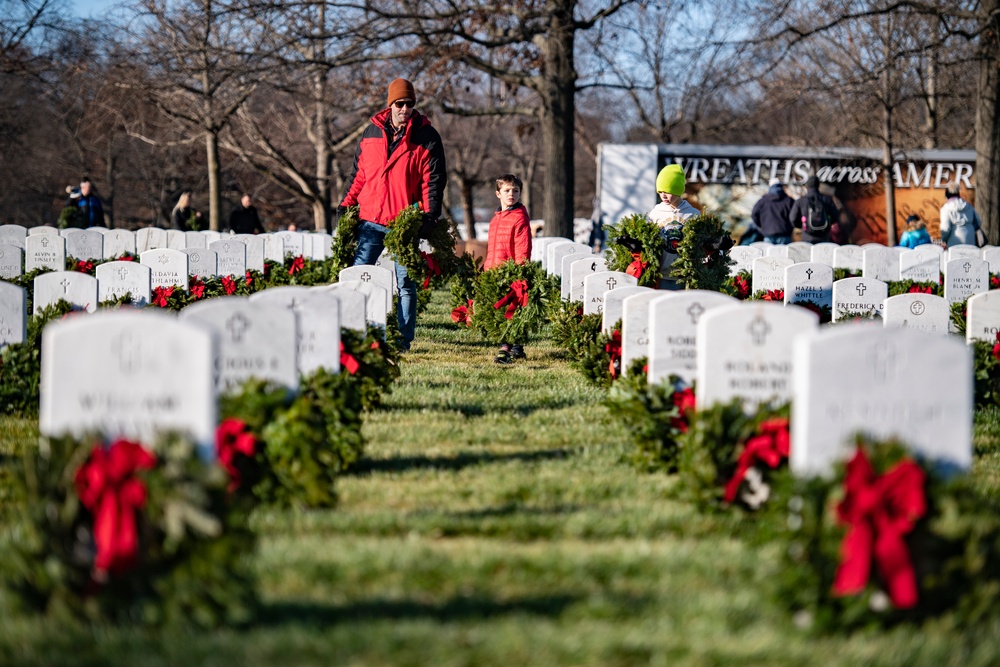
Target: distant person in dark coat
244	219
814	214
771	212
185	218
90	211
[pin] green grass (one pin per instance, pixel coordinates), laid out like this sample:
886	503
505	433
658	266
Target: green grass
494	522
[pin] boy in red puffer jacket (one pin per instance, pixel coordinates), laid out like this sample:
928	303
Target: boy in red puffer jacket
510	239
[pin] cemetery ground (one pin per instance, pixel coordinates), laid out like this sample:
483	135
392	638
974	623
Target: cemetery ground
496	520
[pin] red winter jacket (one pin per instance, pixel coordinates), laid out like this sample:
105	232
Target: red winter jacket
510	237
384	185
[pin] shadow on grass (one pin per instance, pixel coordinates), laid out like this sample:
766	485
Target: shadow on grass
511	509
454	609
478	409
464	460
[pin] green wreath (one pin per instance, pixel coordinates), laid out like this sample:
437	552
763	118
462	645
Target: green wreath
897	287
958	317
463	288
600	359
653	416
635	235
703	254
403	243
496	297
191	561
345	243
717	468
986	369
954	548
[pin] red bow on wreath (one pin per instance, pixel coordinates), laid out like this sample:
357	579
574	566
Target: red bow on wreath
879	512
637	266
298	264
463	314
769	446
106	486
684	401
614	350
433	268
348	361
517	296
996	348
232	438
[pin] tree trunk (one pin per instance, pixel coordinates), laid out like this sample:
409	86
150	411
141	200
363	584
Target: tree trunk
214	179
322	219
558	90
988	125
109	180
468	214
887	140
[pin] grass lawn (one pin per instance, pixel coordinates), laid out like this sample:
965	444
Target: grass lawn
494	522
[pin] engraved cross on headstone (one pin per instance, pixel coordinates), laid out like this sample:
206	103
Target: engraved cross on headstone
225	247
809	273
128	348
861	289
967	266
759	328
695	312
237	325
65	285
774	265
612	283
44	242
366	276
122	273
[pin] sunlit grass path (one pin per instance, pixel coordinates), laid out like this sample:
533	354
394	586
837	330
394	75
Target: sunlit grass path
495	522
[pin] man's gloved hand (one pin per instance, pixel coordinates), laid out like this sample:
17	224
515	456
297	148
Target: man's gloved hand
427	226
341	211
633	245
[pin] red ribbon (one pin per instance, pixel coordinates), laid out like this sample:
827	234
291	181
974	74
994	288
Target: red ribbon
106	486
161	295
769	446
614	349
684	401
348	361
996	348
517	296
434	269
637	266
232	438
463	314
297	265
879	512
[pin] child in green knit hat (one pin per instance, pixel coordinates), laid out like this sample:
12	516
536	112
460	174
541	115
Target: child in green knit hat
670	215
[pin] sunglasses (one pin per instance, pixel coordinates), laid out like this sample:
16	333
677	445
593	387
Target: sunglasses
399	104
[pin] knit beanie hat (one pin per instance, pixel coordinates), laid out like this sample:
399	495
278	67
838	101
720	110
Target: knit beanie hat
400	89
671	180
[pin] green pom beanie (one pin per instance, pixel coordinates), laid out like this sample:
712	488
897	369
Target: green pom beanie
671	180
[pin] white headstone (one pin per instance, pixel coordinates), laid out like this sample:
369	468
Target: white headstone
886	382
13	314
920	265
13	235
673	332
211	236
321	246
66	233
922	312
318	313
374	275
565	273
116	279
992	257
385	261
202	262
745	351
858	295
881	263
353	310
43	229
762	246
769	273
195	240
117	242
635	326
375	299
231	256
596	285
579	271
150	238
255	340
614	305
11	261
294	243
809	281
743	257
539	245
800	251
76	288
274	248
255	250
983	317
176	239
964	277
777	251
85	245
168	266
850	257
44	251
822	253
557	251
142	373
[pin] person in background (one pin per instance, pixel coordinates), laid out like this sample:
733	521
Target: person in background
770	214
509	239
183	217
244	219
915	234
959	221
88	205
814	213
670	215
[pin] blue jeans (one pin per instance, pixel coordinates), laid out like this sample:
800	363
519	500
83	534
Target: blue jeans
371	242
780	239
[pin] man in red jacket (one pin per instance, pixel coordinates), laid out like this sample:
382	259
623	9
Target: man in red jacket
399	162
509	239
